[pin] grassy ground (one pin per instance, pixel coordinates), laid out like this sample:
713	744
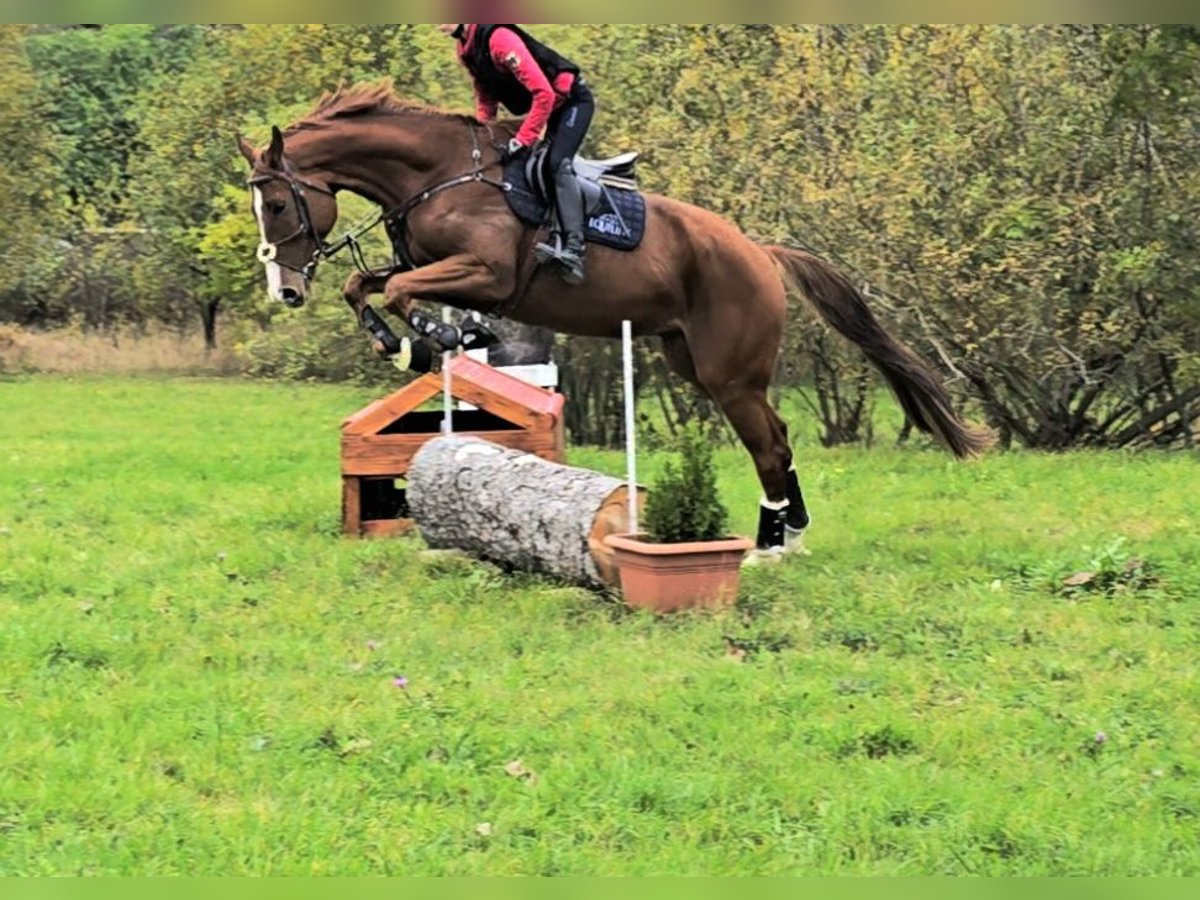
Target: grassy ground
197	671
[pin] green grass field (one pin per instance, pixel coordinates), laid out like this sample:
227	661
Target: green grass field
196	669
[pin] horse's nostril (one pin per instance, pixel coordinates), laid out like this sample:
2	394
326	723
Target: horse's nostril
289	295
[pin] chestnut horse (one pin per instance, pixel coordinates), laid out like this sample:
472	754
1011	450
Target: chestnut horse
715	298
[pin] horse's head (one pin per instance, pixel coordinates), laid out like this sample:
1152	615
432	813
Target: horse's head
294	215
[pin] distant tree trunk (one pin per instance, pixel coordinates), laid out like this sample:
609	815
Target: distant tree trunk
208	315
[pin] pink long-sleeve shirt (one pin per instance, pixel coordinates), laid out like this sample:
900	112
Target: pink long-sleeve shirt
508	51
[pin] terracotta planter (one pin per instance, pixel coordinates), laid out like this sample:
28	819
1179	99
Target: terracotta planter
665	577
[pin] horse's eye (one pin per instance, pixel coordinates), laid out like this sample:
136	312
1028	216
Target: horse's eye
276	207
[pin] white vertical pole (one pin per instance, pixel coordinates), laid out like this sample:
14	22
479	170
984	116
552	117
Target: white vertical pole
447	404
630	454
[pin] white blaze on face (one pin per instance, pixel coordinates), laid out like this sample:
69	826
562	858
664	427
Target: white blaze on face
274	272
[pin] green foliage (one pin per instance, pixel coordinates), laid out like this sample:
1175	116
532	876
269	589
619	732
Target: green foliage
27	189
200	680
1019	199
319	343
221	249
683	503
93	79
1110	570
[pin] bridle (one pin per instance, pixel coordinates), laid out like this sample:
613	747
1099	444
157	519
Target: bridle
395	221
268	250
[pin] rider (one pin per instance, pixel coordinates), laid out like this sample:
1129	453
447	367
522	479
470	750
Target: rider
510	67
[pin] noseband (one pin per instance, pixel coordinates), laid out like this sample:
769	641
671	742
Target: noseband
267	251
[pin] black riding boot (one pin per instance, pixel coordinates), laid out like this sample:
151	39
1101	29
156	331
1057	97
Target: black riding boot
570	215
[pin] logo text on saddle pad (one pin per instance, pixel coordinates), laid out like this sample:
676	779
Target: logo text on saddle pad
608	223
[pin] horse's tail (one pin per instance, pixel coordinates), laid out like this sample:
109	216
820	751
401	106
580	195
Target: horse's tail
919	389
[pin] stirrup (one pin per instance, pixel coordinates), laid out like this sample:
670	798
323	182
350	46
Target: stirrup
572	266
544	252
573	274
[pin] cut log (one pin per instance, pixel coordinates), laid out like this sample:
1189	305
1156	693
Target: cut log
517	509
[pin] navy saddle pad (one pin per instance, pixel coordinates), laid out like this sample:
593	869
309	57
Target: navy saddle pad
615	218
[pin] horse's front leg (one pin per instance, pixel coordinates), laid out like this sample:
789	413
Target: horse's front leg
455	280
404	353
356	291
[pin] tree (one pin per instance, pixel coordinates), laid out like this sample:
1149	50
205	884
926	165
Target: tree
28	210
982	181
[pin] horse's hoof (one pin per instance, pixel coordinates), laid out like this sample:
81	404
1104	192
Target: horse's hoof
793	542
763	556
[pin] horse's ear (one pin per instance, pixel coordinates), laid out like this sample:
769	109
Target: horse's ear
246	148
274	155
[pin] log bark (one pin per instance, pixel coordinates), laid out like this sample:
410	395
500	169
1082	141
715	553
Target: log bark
517	509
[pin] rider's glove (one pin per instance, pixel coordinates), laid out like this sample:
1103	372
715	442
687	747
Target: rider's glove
514	150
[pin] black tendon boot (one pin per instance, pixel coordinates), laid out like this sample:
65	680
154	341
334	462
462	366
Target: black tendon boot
772	520
477	336
384	341
797	517
442	334
570	215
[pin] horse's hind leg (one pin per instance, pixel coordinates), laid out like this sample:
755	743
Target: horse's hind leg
762	432
679	360
783	515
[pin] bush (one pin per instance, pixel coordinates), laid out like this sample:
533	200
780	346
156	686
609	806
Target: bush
683	504
318	343
14	353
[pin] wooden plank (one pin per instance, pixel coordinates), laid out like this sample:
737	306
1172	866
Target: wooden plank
560	441
476	383
371	445
391	454
499	404
379	454
383	412
522	393
351	505
387	527
356	445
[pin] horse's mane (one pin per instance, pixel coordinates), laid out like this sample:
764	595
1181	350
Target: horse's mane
366	99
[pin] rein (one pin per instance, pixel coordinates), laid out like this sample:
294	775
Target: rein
395	220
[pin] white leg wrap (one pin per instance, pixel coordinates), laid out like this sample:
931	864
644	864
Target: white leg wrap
402	359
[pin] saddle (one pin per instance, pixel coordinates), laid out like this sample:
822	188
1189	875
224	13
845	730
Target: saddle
614	210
